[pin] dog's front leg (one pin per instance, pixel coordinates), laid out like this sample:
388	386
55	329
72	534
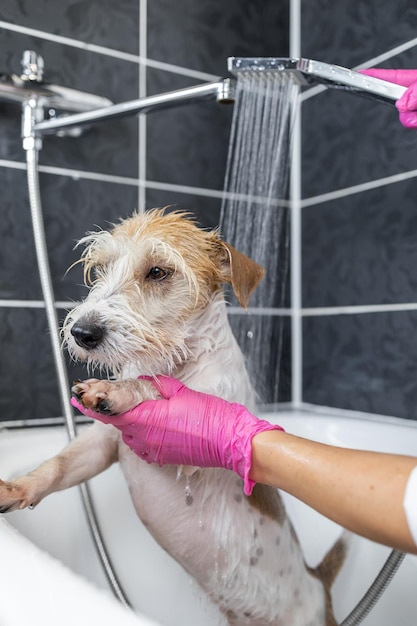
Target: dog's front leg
111	397
87	455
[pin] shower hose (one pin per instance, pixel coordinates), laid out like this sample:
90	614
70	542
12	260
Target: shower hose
63	383
388	570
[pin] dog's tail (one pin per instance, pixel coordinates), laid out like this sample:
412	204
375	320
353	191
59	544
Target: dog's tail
332	562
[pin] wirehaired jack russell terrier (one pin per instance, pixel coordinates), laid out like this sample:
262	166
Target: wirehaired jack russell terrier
156	306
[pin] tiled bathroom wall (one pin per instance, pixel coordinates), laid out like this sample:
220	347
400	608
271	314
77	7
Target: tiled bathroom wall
359	217
120	49
358	189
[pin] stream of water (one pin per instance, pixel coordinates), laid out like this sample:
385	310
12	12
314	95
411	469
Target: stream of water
255	215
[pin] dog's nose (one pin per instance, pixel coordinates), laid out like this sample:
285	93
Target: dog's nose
87	336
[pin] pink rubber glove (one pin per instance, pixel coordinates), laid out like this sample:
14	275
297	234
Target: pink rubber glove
407	104
189	428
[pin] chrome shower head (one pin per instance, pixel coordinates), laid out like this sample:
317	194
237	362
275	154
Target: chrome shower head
311	73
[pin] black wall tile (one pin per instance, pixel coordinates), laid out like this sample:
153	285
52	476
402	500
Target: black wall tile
102	22
29	384
70	209
265	342
362	362
187	145
82	206
348	33
76	68
349	140
361	249
110	147
201	35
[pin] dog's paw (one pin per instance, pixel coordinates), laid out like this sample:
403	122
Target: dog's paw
113	397
94	394
12	497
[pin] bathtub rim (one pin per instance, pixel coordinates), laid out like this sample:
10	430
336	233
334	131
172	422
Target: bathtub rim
266	411
305	409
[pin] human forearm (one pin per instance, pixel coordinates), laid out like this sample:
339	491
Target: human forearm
362	491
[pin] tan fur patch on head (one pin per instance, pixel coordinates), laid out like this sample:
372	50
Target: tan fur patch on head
206	259
193	250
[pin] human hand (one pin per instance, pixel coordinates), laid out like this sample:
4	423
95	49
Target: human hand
407	104
189	428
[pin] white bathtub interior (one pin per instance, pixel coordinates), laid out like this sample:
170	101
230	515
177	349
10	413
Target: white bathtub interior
156	586
38	589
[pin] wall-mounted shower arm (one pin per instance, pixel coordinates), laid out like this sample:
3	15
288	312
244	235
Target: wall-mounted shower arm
222	91
310	72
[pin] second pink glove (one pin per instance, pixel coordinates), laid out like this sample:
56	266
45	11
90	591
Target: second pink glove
407	104
189	428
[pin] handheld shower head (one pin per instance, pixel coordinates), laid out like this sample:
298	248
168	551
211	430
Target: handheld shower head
311	73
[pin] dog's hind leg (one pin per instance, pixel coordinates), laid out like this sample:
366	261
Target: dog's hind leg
87	455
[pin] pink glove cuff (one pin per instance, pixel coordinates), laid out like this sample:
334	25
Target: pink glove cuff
241	446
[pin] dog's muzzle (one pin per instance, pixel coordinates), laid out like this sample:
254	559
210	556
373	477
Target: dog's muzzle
87	335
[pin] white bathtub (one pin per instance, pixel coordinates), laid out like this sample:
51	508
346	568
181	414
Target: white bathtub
156	586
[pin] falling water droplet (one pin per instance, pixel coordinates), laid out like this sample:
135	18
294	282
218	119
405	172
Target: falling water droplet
188	495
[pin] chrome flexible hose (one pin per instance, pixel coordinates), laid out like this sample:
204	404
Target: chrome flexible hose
376	590
63	383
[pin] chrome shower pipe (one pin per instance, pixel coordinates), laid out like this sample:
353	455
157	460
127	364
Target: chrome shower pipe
221	90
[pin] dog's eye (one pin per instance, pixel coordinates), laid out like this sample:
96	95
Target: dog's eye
157	274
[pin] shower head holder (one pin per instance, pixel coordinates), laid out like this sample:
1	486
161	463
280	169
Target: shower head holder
49	99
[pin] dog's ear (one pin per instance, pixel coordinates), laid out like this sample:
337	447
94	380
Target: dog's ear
240	271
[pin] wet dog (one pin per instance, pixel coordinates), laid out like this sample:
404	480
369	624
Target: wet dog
156	306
